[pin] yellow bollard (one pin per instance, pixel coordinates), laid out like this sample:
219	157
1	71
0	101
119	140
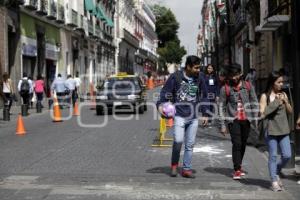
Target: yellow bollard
161	135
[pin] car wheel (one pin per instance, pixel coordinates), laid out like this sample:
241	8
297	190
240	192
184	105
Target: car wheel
109	111
141	109
99	110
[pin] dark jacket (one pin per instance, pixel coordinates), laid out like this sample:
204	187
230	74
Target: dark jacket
213	87
184	94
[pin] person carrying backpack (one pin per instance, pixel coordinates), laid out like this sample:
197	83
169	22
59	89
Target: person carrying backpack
24	87
184	89
238	107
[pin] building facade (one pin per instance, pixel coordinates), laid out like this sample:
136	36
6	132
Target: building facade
59	36
136	37
256	34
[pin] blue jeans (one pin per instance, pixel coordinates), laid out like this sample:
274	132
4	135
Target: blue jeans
275	165
185	130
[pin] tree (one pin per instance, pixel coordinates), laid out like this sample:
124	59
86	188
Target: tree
169	48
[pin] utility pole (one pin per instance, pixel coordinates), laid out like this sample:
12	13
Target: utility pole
228	31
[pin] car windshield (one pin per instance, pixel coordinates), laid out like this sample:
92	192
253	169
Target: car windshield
122	84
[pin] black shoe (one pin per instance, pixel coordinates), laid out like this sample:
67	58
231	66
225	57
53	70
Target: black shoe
188	174
174	171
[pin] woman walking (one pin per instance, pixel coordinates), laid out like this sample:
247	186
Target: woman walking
213	89
274	107
7	90
39	86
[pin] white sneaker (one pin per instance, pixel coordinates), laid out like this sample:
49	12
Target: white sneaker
279	181
298	182
275	187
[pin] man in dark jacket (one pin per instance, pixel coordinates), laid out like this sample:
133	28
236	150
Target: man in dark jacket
184	89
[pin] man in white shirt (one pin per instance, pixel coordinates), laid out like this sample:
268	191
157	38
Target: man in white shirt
70	85
24	88
78	83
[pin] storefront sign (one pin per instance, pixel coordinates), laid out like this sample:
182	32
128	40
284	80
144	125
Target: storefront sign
52	52
29	46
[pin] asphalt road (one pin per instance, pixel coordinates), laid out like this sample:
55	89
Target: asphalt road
110	157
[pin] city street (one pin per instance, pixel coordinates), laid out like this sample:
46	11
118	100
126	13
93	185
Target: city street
59	161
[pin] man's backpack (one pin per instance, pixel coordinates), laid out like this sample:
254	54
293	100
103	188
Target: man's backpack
25	87
227	88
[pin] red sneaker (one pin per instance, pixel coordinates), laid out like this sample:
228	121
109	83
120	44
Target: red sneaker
237	175
174	171
243	173
188	174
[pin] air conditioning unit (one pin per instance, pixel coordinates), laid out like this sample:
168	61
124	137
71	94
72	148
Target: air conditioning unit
30	4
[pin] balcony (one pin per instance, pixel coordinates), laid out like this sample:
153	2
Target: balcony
52	11
30	4
90	28
97	31
79	23
60	18
42	7
71	18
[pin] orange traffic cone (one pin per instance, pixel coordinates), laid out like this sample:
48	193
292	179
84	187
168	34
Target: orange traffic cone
20	126
75	110
170	122
56	112
150	83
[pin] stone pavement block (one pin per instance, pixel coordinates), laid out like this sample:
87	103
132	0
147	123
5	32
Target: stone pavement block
6	193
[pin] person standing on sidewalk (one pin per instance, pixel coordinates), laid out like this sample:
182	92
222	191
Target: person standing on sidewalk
39	88
24	87
71	94
7	90
274	107
58	87
213	89
238	107
183	89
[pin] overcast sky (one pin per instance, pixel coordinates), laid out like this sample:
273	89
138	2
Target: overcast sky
188	14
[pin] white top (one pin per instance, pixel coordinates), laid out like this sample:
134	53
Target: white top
70	83
6	87
78	81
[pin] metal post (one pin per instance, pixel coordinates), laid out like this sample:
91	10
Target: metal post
6	115
24	110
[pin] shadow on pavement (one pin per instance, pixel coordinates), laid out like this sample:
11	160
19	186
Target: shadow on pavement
246	181
164	170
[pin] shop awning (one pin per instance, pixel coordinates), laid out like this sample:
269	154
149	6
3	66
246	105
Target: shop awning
109	22
89	5
100	14
272	23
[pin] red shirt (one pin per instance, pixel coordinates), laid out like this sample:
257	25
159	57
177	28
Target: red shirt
240	113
